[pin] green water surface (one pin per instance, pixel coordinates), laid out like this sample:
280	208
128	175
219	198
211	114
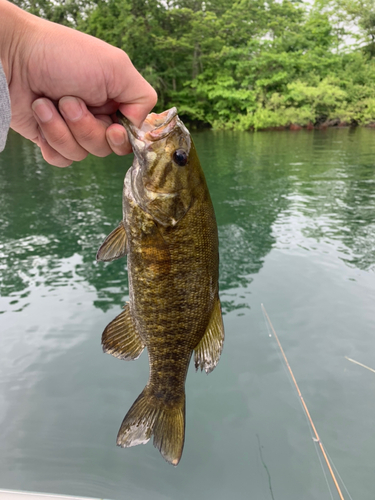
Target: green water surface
296	217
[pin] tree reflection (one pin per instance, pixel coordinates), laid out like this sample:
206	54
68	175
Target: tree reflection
49	214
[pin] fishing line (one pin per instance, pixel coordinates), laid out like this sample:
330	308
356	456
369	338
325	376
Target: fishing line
317	438
338	474
360	364
303	410
265	466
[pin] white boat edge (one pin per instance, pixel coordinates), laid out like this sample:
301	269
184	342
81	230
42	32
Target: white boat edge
26	495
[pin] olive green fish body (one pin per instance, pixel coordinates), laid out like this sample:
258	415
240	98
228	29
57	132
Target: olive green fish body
172	271
170	236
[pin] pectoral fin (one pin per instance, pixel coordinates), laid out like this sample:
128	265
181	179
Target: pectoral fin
208	351
121	339
114	246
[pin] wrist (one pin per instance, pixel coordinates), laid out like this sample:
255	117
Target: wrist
13	24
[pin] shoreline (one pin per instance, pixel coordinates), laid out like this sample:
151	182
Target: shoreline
293	127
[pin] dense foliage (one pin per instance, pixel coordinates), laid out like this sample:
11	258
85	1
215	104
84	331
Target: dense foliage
246	64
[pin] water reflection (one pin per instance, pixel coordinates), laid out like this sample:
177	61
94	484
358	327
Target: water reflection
50	214
295	216
264	187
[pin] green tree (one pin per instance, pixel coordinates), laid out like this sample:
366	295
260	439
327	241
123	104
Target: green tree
67	12
243	64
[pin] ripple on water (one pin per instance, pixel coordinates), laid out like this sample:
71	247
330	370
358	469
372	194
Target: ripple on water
296	226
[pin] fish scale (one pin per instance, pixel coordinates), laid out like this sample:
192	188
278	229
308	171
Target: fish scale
169	235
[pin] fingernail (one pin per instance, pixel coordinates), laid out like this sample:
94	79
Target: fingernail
42	110
117	137
71	108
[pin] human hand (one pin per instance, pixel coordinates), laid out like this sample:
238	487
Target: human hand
64	87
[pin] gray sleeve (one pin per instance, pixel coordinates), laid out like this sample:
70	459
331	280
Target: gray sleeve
5	114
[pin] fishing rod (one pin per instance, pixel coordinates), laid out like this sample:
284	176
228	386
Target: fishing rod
304	406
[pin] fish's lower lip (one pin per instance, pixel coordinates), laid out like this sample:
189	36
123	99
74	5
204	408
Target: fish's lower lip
127	124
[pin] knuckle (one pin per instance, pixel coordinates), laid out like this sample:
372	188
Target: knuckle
119	58
79	156
124	56
67	147
86	135
60	140
153	97
55	159
94	143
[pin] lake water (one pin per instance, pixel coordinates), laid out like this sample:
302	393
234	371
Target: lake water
296	217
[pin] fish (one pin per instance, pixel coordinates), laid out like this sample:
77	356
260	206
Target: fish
169	235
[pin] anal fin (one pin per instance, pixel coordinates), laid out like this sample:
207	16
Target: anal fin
208	351
121	339
114	246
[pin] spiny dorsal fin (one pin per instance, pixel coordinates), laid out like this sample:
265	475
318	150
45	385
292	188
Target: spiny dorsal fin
121	339
208	351
114	246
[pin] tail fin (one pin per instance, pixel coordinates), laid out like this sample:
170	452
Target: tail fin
149	416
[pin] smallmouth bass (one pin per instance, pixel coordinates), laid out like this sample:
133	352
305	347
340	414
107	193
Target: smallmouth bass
169	235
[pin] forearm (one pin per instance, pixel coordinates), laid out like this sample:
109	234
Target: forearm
13	24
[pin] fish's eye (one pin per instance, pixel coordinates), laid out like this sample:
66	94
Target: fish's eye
180	157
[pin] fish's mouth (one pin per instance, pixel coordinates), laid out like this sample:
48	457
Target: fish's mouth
155	127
